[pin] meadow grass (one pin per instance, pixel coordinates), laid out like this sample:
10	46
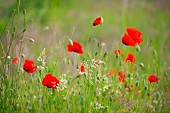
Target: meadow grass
98	89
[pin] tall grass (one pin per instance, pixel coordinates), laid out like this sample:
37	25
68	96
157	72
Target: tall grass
98	89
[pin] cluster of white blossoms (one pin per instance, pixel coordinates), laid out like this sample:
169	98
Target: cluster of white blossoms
97	105
63	83
42	59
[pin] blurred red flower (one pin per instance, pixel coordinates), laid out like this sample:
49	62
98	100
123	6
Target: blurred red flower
29	66
122	76
127	40
15	60
98	21
130	58
132	38
119	51
82	68
50	81
153	78
135	35
76	47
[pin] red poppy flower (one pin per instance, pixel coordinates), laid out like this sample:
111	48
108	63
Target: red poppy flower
122	76
127	40
153	78
76	47
135	35
82	68
130	58
29	66
15	60
98	21
50	81
119	51
132	38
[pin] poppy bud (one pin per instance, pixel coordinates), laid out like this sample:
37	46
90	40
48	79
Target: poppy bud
31	40
138	48
96	53
13	35
120	63
14	29
77	66
117	54
22	55
69	62
7	33
137	83
18	2
24	30
141	65
104	55
70	42
145	87
154	52
24	12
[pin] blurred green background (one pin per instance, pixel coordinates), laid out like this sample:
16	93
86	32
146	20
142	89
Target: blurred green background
50	20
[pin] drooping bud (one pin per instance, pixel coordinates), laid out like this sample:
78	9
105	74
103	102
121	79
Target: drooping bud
138	48
70	42
22	55
23	30
64	60
154	52
117	54
69	62
31	40
141	65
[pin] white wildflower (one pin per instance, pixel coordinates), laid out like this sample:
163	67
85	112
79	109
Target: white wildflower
42	59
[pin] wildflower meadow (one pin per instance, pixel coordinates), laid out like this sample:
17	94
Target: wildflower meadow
89	57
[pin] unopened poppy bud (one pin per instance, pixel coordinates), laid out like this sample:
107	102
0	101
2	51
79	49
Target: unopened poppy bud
69	62
23	30
117	54
96	53
70	42
22	55
14	29
138	48
18	2
98	44
137	83
13	35
77	66
24	12
128	75
7	33
104	55
141	65
154	52
120	63
31	40
8	57
145	88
